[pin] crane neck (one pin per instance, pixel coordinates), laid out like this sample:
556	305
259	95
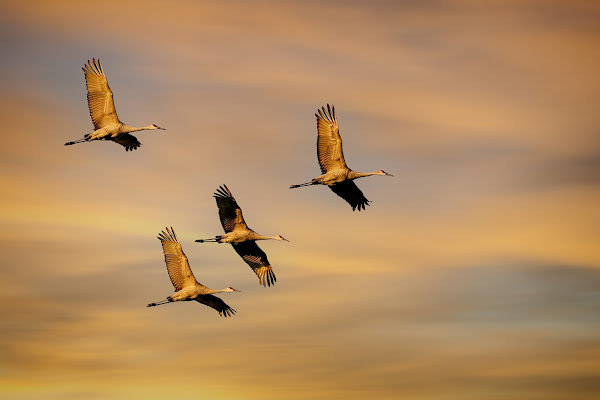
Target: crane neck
261	237
128	128
211	291
356	175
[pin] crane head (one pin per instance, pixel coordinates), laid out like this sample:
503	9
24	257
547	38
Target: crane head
157	127
382	172
282	238
230	289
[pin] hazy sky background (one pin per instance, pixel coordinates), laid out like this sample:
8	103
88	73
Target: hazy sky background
474	274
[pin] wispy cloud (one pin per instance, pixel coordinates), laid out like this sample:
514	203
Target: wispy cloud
472	275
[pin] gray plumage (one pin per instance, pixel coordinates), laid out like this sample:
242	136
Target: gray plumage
335	173
186	286
102	110
241	237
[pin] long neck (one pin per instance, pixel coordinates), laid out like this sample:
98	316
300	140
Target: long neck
256	236
211	291
128	128
356	175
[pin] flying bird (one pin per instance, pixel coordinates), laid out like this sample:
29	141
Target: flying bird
242	238
102	110
186	286
335	172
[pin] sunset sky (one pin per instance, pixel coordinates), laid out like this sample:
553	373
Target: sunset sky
474	274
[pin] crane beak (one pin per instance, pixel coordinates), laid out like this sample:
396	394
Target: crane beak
388	174
162	129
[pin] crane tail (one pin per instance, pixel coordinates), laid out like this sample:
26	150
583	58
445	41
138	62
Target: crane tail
303	184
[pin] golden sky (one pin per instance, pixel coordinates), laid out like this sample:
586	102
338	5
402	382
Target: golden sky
474	274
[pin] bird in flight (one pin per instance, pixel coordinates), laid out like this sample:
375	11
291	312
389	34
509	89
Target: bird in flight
186	286
335	172
102	110
242	238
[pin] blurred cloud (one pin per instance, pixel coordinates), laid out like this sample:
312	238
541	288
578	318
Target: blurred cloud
473	274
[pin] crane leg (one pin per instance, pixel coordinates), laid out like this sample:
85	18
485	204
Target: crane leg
303	184
76	141
214	240
159	303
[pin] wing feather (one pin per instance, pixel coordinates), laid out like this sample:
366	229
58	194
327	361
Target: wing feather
230	212
126	140
99	95
257	260
348	191
329	141
216	303
178	266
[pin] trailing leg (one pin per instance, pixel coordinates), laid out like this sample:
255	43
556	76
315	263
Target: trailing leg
216	239
304	184
161	302
76	141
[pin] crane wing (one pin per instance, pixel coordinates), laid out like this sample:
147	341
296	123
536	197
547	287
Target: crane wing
126	140
229	211
257	260
348	191
216	303
177	263
329	141
100	97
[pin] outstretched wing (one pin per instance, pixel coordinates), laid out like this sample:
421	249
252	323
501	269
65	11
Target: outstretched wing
216	303
126	140
329	141
348	191
229	211
177	263
257	260
100	97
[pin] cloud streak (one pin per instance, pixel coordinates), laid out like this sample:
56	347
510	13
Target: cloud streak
474	273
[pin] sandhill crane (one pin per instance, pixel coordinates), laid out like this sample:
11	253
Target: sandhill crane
336	173
102	110
186	286
242	238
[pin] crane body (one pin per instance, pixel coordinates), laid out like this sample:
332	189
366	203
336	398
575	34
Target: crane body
241	237
337	176
104	115
335	172
186	286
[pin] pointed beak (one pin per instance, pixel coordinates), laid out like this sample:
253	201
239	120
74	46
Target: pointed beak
285	239
389	174
235	290
162	129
